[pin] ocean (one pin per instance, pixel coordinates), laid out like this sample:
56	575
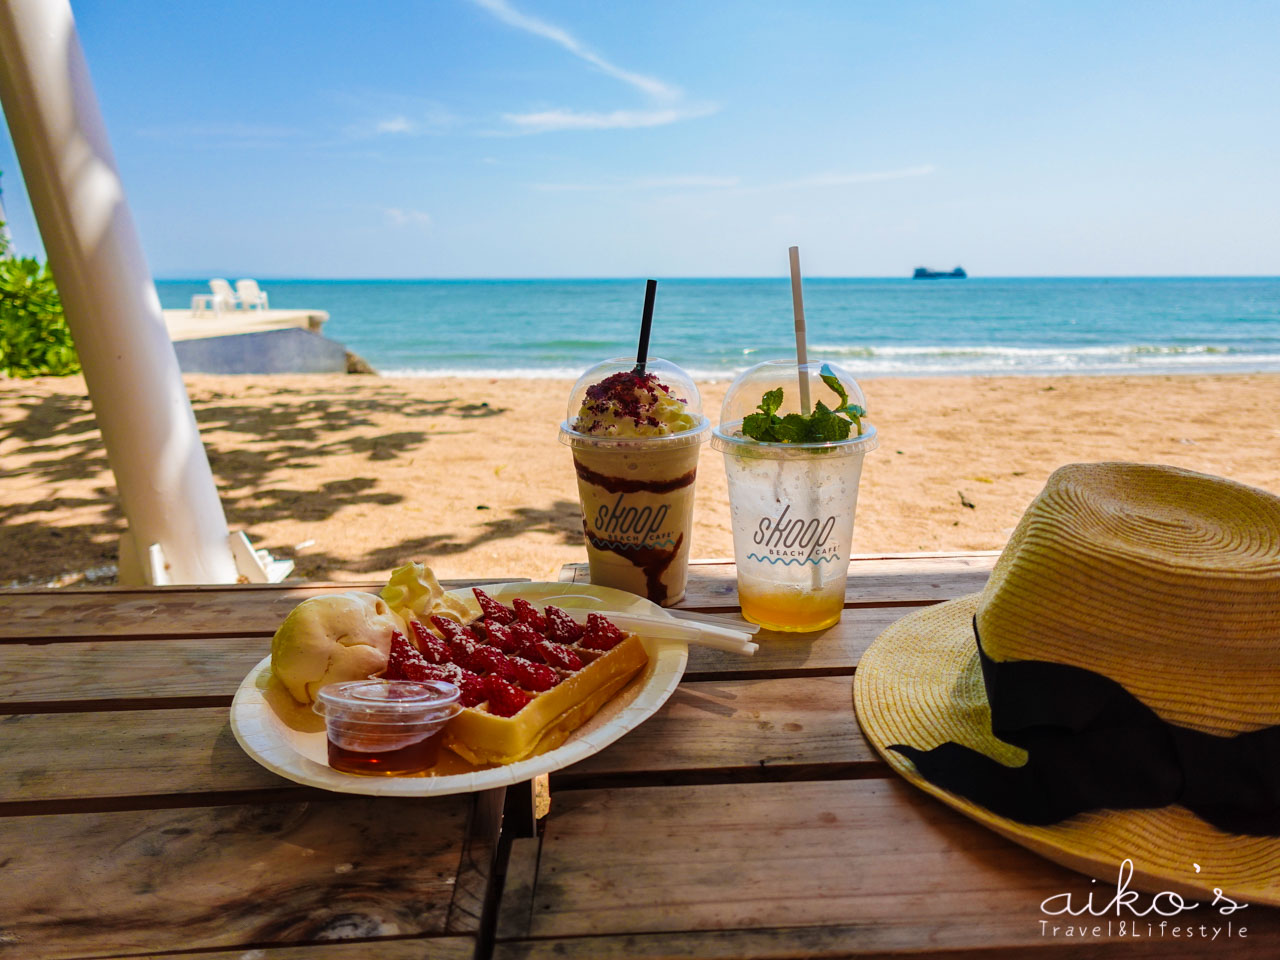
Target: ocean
714	328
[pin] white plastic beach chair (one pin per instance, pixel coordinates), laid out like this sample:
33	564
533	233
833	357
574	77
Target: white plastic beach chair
222	298
251	295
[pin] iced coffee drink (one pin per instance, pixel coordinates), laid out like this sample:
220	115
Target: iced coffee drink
635	438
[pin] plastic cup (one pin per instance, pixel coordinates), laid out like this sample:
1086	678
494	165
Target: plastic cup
385	727
792	504
637	492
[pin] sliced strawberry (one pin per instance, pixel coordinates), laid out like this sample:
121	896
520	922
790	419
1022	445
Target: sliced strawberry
601	633
492	609
451	628
534	676
526	639
432	648
561	627
473	689
462	649
402	658
505	700
448	672
458	675
406	663
559	655
454	673
500	636
489	660
448	628
526	612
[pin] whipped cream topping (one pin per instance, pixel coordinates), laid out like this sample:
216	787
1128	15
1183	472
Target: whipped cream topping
630	404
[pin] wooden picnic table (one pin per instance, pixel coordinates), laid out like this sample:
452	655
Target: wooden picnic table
747	818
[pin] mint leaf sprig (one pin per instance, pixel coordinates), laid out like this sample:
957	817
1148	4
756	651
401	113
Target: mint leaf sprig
854	412
823	425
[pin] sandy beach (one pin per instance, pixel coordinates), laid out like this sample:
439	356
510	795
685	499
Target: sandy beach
352	475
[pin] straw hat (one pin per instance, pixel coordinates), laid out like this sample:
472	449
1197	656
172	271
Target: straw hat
1126	651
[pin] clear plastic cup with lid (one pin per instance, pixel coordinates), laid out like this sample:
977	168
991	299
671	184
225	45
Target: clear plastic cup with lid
386	727
635	439
793	503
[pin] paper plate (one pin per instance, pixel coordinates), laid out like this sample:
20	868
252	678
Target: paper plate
289	740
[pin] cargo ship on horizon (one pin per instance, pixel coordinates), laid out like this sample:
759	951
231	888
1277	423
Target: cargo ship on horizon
924	273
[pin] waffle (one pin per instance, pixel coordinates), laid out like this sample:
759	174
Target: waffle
528	678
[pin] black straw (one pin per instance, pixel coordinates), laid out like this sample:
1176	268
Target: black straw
646	322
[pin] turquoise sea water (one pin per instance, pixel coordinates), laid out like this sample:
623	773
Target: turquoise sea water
557	328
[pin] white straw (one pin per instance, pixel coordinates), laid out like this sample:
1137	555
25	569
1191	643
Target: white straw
669	628
802	347
740	625
802	358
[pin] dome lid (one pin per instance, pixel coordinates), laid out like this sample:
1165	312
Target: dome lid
622	404
746	394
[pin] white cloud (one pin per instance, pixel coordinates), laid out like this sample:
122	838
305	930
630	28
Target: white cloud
405	217
398	116
396	124
667	102
561	37
547	121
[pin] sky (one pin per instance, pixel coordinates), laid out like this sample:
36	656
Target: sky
572	138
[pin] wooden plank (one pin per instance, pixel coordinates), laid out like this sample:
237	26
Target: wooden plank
172	613
479	861
435	948
895	870
117	589
581	572
118	673
740	729
283	874
166	611
736	729
845	941
122	673
907	578
900	580
514	911
838	648
61	757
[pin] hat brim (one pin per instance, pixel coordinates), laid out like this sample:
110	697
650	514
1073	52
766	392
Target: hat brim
920	684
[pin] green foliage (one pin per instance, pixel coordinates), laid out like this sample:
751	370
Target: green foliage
760	426
823	425
851	410
34	338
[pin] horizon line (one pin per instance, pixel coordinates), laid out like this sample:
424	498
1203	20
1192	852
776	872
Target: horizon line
268	278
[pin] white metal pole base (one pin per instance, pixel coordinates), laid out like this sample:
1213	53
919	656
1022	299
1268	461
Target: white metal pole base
252	566
256	566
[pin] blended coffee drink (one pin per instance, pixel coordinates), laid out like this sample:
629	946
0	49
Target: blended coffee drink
635	438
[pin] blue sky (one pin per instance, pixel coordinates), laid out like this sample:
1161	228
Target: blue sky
526	138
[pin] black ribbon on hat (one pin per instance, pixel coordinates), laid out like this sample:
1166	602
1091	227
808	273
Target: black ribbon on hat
1092	745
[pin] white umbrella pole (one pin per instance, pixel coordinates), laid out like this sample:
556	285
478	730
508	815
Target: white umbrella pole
177	530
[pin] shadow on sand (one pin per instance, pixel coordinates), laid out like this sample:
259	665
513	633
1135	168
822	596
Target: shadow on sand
252	443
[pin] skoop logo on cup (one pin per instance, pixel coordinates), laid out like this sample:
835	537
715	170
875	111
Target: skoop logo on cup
786	539
624	523
1131	917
